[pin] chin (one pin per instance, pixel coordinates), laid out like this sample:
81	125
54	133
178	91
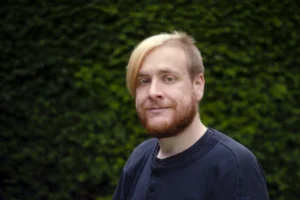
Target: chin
159	121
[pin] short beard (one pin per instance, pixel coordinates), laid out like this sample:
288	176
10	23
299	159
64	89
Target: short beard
182	119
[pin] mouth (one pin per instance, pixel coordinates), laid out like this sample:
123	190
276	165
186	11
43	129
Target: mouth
158	108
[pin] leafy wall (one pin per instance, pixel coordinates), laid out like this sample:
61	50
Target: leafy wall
68	124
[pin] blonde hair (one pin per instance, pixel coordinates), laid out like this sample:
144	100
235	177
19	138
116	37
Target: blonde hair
177	38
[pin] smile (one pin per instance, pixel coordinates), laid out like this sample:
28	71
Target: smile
157	110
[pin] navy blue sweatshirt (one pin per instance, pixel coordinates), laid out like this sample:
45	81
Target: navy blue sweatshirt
215	168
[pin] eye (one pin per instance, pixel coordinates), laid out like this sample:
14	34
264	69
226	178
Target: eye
143	81
169	79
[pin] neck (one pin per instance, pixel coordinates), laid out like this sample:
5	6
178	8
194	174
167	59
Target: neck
174	145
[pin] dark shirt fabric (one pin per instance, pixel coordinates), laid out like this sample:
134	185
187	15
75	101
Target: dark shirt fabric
216	167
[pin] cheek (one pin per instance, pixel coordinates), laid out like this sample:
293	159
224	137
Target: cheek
182	95
185	99
138	101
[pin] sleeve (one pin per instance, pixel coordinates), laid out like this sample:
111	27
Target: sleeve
131	169
240	178
124	183
119	191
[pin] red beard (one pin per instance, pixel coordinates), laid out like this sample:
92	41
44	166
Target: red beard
182	118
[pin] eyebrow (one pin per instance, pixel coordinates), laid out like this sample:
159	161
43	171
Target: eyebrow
163	71
142	75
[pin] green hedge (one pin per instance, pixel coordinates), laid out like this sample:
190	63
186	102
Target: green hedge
68	123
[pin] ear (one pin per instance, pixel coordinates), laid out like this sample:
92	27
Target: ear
198	84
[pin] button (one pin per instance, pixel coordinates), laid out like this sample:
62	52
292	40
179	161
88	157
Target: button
151	190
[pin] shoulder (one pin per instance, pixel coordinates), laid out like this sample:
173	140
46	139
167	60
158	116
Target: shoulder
240	162
137	161
231	149
231	156
238	172
141	152
145	148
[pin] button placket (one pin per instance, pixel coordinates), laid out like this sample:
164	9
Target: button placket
153	181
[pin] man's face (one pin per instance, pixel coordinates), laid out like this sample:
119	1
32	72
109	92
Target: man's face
166	99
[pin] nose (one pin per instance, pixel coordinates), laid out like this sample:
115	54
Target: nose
155	90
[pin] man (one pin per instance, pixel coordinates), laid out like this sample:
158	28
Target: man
185	159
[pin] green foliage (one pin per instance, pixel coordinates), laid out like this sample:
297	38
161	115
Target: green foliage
68	124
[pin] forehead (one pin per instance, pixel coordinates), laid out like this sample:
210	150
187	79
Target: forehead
164	58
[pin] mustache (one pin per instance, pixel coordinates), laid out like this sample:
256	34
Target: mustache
159	106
